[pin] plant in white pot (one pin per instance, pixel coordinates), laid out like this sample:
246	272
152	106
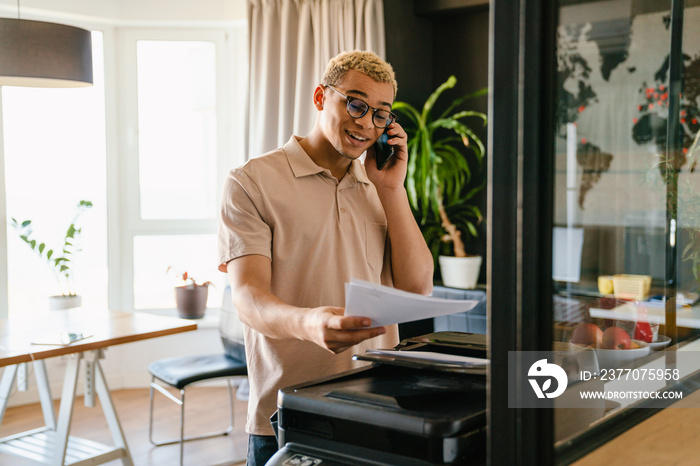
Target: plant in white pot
190	298
445	154
60	261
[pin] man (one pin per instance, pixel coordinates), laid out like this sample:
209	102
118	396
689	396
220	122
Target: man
301	221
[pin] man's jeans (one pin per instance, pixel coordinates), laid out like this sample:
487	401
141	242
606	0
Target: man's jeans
260	449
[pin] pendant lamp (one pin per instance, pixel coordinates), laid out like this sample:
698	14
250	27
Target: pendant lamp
41	54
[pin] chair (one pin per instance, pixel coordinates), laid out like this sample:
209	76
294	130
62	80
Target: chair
182	371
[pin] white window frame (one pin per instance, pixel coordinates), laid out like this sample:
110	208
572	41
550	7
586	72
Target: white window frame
123	216
4	303
90	24
121	260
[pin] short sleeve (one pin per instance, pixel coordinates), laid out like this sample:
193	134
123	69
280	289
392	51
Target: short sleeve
242	227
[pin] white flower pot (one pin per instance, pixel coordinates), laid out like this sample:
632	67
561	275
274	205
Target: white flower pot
60	302
460	272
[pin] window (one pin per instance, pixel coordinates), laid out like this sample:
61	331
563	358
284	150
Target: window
193	253
55	156
626	218
594	175
177	129
176	105
147	146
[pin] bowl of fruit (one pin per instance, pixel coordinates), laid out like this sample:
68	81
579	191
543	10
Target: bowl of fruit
660	343
613	347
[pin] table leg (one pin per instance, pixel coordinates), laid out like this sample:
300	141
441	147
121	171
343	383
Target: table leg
22	382
65	412
8	379
42	383
110	413
89	393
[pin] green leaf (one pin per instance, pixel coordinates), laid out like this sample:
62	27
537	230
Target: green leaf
408	110
462	99
450	83
41	247
444	165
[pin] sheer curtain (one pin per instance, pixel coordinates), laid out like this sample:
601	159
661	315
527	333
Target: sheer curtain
291	42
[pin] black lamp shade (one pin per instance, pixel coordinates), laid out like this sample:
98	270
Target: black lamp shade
41	54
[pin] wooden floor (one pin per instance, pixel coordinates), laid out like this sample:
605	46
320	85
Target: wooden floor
206	411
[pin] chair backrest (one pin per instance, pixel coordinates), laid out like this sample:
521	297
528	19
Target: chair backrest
231	328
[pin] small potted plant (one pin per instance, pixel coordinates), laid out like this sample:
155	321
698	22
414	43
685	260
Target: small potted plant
59	261
190	298
441	185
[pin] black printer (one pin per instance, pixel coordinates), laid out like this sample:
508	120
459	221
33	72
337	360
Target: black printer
423	408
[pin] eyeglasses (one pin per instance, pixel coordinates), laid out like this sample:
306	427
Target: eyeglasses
357	108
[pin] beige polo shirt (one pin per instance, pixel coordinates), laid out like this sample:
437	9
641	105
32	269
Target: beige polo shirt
319	233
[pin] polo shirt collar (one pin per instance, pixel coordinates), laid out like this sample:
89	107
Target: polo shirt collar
302	165
358	172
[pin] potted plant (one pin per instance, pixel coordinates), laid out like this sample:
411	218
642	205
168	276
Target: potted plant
440	183
190	298
59	261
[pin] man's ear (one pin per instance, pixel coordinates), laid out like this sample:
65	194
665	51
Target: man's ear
318	97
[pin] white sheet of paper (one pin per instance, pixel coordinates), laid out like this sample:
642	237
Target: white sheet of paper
61	338
432	356
386	305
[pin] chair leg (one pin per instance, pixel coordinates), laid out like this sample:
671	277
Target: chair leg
155	385
182	425
230	402
150	414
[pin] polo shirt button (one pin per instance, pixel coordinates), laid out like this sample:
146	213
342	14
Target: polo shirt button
342	211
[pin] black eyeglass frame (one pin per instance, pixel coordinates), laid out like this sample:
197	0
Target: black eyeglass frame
392	116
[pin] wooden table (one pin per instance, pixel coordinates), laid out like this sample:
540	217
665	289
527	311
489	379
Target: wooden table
52	443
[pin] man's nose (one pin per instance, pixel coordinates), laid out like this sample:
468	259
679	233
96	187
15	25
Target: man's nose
366	120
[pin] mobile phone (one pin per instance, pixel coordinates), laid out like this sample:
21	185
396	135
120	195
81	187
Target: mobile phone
383	150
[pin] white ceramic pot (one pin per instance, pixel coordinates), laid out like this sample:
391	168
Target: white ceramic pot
60	302
460	272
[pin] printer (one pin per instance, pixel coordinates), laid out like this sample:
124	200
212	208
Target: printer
421	403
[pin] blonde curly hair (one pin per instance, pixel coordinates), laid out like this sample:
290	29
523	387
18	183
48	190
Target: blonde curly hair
359	60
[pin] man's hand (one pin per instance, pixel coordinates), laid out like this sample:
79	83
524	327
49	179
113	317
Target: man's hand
325	326
394	173
330	329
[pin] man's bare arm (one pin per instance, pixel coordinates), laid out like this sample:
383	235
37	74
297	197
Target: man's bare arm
411	260
326	326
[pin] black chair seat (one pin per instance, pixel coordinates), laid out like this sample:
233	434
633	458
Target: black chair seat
184	370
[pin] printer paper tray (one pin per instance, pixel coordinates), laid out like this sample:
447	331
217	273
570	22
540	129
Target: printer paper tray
427	360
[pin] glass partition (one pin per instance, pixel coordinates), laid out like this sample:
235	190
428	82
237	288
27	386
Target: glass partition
626	235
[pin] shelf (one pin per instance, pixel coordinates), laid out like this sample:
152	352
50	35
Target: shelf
686	316
39	445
